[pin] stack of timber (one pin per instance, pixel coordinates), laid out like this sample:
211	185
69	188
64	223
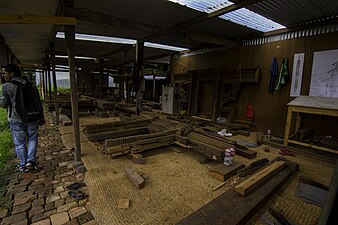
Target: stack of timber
214	147
232	208
98	132
105	104
126	108
166	124
138	143
133	117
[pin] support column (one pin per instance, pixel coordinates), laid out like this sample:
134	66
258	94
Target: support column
45	85
154	85
139	74
100	76
56	104
49	77
215	109
70	38
41	83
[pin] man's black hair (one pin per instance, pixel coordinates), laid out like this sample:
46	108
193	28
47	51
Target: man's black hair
13	68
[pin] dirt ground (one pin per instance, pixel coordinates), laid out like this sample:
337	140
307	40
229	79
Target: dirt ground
178	185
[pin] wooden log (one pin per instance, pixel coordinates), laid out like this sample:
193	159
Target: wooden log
117	133
222	172
254	181
137	158
65	120
132	139
230	208
210	151
201	118
135	178
181	139
182	145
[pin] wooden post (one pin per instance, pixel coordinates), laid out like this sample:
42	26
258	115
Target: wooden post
70	38
288	126
216	106
48	77
127	88
52	59
154	85
100	77
45	92
139	62
41	84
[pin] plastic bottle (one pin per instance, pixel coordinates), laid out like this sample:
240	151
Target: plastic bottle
227	157
269	136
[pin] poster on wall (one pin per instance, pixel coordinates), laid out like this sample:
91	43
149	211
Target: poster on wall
324	78
297	74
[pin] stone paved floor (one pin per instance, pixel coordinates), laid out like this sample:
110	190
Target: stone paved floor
41	198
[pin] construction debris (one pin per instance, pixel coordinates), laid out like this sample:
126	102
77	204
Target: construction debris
123	203
135	178
251	183
222	172
238	208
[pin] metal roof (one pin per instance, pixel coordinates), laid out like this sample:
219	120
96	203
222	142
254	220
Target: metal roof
242	16
291	13
162	21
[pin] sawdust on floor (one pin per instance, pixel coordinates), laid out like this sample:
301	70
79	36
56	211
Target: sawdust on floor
178	185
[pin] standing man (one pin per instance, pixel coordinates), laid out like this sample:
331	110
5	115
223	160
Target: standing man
24	129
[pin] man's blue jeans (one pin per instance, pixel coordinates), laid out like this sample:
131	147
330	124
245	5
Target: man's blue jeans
25	138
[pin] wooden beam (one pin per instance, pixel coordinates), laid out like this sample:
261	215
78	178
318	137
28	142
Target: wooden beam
32	66
258	178
89	15
56	20
135	178
230	208
213	40
52	60
70	38
203	18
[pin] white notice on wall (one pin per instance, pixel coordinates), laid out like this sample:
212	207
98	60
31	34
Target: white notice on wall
324	78
297	74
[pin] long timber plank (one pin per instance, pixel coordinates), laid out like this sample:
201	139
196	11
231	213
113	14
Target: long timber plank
258	178
231	208
117	133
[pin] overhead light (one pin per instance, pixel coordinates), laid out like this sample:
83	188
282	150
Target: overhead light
88	37
166	47
241	16
76	57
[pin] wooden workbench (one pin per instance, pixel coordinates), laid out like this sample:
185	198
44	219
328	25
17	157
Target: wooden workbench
310	105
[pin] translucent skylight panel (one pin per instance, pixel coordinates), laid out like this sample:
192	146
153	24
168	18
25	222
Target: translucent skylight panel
242	16
253	20
87	37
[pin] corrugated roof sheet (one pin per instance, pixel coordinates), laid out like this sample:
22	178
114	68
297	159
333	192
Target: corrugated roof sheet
291	13
242	16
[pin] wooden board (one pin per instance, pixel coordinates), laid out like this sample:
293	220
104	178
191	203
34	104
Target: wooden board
230	208
246	153
65	120
135	178
251	183
222	172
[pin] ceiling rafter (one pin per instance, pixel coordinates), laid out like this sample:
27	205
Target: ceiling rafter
53	20
97	17
192	22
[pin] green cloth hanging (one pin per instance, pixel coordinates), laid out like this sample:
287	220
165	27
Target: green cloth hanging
283	75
